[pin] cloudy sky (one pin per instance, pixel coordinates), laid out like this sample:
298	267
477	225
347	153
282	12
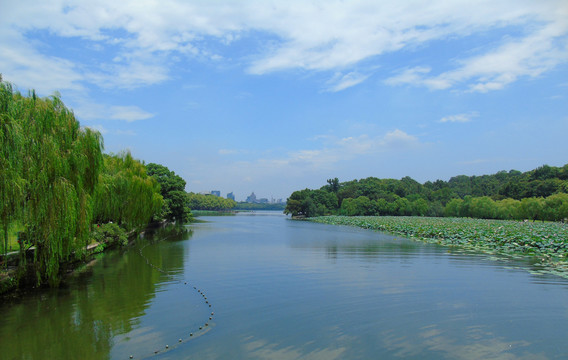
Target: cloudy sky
275	96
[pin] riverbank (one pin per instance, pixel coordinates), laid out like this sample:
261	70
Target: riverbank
546	242
104	237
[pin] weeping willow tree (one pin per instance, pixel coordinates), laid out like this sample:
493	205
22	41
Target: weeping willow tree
11	180
52	170
125	194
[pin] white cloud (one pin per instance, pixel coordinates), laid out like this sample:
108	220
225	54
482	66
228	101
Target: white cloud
130	75
398	138
335	150
528	56
28	68
341	82
98	128
86	110
129	113
232	151
328	35
460	118
105	131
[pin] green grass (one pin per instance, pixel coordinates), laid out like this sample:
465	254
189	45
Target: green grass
547	242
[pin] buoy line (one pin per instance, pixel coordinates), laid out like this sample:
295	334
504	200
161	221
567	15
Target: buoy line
203	329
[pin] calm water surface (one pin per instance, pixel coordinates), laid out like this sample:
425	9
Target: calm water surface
281	289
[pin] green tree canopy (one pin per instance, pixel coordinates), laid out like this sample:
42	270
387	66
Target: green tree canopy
172	188
50	167
125	193
209	202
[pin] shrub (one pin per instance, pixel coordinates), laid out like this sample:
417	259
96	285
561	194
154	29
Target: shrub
110	234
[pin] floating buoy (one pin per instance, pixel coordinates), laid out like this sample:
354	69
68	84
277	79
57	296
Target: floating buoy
201	327
209	305
167	347
179	340
210	318
132	357
206	324
190	334
212	314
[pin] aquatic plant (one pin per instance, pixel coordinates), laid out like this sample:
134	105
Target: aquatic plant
548	241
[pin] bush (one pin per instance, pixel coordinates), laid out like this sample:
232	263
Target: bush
110	234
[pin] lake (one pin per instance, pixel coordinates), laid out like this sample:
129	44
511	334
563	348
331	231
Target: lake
275	288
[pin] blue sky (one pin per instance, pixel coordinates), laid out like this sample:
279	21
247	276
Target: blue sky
275	96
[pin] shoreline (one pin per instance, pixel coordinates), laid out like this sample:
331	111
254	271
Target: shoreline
10	283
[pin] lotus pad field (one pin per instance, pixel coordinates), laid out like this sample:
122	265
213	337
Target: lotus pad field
547	242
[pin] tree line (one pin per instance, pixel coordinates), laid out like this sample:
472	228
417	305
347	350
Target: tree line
58	188
539	194
209	202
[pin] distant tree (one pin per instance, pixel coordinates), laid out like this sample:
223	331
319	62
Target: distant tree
209	202
453	208
483	208
544	172
435	209
486	196
311	203
333	185
556	207
326	199
381	207
461	184
419	207
508	209
293	207
531	208
360	206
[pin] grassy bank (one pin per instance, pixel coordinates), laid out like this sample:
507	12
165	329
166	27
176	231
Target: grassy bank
547	242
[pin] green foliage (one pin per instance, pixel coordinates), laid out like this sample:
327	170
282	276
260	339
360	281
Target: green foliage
256	206
50	169
357	207
109	234
310	203
172	189
556	207
548	241
462	196
125	194
12	182
209	202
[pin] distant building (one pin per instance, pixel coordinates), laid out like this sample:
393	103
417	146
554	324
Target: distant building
251	198
231	196
263	201
216	193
